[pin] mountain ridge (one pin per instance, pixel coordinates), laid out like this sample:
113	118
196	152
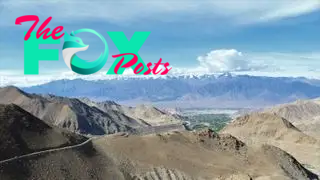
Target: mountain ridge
258	128
73	114
182	155
22	133
238	89
305	114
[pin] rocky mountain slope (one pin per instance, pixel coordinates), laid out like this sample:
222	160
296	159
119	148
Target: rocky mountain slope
145	114
305	114
267	126
270	128
168	156
22	133
256	149
82	163
77	116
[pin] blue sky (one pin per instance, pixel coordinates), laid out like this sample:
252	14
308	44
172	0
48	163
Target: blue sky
267	37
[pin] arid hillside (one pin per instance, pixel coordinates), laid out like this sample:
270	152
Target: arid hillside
78	116
141	144
270	128
22	133
145	114
167	156
304	114
267	126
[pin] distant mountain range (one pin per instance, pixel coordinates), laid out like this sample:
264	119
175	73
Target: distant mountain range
85	116
226	90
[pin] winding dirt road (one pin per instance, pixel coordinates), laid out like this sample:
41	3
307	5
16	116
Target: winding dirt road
144	131
46	151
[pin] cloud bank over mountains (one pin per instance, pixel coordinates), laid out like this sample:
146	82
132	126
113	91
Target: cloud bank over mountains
226	60
214	62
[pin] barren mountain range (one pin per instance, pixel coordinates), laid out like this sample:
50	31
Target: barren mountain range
168	156
260	145
77	116
203	91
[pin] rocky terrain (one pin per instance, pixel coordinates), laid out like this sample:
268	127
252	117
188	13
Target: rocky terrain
145	114
270	128
305	114
198	156
166	156
139	143
22	133
267	126
77	116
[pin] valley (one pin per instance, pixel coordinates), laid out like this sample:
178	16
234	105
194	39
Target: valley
201	121
98	139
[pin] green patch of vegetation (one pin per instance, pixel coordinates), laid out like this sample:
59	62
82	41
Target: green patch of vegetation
213	121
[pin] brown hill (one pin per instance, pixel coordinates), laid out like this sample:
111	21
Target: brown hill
304	114
70	113
170	156
301	110
82	163
145	114
197	157
22	133
266	126
269	128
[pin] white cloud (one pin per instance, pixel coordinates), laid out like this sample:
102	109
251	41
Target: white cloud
224	60
244	11
291	9
256	63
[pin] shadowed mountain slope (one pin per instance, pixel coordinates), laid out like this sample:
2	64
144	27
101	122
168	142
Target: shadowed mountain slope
22	133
